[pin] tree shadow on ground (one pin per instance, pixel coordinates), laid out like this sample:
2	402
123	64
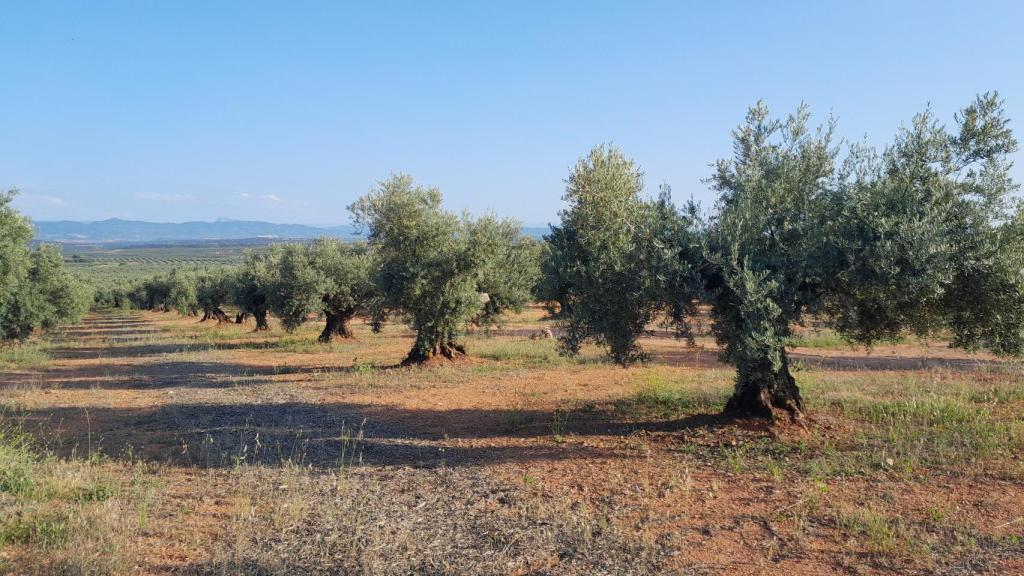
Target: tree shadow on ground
320	435
700	358
146	350
169	374
144	376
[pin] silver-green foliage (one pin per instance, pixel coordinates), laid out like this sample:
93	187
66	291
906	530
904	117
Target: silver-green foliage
327	277
431	264
213	292
510	267
924	238
254	282
770	248
931	235
615	255
36	290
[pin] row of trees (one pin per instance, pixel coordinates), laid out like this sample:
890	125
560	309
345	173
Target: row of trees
925	238
436	270
36	291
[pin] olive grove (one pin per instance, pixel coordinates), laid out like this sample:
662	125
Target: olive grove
923	238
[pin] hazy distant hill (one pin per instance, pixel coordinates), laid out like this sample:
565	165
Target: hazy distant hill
117	230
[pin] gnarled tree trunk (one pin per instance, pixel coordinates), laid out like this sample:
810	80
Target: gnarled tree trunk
432	345
261	319
337	324
762	390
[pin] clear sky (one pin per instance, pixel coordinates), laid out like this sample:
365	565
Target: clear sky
287	111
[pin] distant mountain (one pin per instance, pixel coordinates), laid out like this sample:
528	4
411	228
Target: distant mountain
117	230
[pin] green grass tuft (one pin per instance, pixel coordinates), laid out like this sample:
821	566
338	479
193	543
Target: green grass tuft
24	356
660	396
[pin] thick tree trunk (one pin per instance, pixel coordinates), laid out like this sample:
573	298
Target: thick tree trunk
761	391
345	331
449	350
261	320
336	324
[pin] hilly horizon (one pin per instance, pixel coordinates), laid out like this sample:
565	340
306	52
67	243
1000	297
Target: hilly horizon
121	230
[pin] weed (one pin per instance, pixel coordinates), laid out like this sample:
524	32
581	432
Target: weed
660	396
30	355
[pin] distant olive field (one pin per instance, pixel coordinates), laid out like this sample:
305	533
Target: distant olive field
104	266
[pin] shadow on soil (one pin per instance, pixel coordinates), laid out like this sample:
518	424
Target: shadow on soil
219	435
146	350
166	374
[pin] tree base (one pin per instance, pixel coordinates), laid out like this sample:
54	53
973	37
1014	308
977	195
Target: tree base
761	403
448	351
765	393
335	326
261	321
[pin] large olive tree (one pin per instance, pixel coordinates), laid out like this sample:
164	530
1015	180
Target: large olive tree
924	238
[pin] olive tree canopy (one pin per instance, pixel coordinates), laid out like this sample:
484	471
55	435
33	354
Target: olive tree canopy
36	290
924	238
328	277
431	264
615	256
213	292
509	267
254	282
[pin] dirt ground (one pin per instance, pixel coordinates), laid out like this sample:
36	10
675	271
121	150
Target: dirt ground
234	452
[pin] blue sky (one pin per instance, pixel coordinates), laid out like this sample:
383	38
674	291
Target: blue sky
288	111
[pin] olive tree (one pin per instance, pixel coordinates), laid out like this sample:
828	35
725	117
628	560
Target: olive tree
254	283
36	290
509	270
610	260
213	292
153	293
924	238
770	248
328	277
15	234
166	291
296	288
346	286
182	294
62	297
427	267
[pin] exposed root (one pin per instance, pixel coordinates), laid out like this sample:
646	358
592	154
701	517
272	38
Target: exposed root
446	351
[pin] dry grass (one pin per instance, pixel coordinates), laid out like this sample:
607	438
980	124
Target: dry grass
234	452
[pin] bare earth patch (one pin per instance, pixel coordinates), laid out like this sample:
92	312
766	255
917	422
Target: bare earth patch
198	449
